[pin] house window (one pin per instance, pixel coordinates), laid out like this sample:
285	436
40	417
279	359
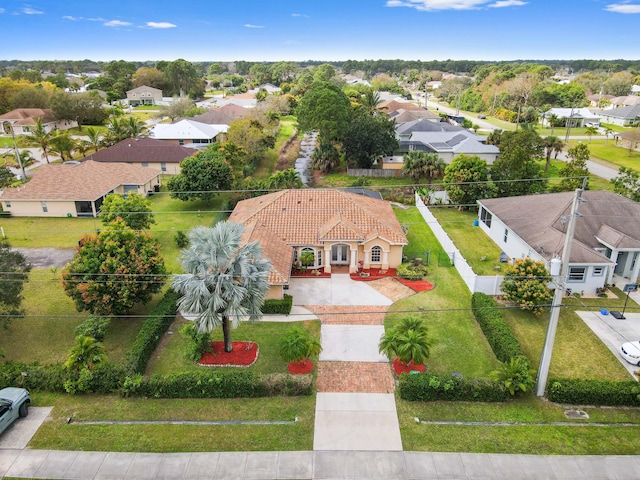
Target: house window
485	217
577	274
506	235
145	164
376	254
7	204
44	206
598	271
319	255
180	142
308	257
163	167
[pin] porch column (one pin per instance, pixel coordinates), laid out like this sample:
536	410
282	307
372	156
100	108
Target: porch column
367	258
614	257
385	259
636	268
352	263
327	259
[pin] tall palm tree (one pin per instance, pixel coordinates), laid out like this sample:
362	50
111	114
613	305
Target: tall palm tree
418	164
85	354
41	137
95	138
551	143
408	341
225	280
134	127
63	146
554	121
370	101
607	132
283	179
591	131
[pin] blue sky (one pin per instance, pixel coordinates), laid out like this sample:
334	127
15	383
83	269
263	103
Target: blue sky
257	30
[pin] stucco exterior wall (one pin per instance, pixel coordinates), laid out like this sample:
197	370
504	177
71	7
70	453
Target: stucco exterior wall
33	208
275	292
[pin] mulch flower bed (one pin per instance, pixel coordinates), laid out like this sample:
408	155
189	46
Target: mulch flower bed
309	273
301	368
373	274
243	355
401	367
416	285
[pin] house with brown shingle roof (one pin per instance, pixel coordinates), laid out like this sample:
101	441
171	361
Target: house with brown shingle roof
76	189
606	239
330	226
161	155
24	120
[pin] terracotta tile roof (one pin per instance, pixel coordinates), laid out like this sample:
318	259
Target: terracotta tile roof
87	180
29	116
303	217
393	105
280	254
143	149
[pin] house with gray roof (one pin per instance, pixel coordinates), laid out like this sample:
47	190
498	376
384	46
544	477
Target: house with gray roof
144	95
623	116
189	132
580	117
606	239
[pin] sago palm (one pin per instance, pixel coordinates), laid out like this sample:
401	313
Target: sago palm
408	341
85	354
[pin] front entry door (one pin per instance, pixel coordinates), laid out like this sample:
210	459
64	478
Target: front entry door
340	254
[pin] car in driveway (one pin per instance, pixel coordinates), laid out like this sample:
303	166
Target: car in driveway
630	351
14	403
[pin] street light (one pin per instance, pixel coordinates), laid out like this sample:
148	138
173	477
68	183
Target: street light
8	129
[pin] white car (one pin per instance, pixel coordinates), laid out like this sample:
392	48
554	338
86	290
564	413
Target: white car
630	351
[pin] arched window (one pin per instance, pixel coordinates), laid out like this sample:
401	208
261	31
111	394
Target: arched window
308	257
376	254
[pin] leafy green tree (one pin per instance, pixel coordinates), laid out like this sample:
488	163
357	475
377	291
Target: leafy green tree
182	79
114	270
551	144
525	283
466	180
252	136
517	172
225	281
87	353
408	341
298	345
14	273
516	375
575	170
151	77
325	108
177	109
369	137
135	210
201	176
84	108
6	177
627	183
41	137
419	165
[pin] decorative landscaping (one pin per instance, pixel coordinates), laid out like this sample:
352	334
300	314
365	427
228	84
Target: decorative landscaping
300	368
243	355
401	367
416	285
373	274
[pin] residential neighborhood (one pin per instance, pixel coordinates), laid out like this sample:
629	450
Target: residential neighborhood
309	263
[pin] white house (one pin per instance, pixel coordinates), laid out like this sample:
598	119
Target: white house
606	239
189	133
580	117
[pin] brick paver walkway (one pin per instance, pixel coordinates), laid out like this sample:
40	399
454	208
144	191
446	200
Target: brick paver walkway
350	315
354	377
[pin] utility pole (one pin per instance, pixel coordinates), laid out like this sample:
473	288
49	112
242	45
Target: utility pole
547	350
8	129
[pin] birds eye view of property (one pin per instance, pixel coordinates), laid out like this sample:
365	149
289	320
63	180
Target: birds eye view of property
390	239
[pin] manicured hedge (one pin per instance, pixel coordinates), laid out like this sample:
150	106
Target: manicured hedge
156	324
593	392
280	307
429	387
49	378
498	333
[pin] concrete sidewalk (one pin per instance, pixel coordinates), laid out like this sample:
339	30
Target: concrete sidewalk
311	465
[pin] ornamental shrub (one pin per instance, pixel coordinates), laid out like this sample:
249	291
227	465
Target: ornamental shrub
278	307
525	283
430	387
284	384
503	342
594	392
95	327
412	271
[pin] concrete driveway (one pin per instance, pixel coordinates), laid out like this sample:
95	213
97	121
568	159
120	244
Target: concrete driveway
614	333
337	290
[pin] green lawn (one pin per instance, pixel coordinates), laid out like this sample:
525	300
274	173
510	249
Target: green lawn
268	163
39	232
57	434
458	344
339	180
612	156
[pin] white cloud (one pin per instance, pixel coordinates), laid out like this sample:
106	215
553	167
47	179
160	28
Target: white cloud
248	25
160	25
299	15
623	8
432	5
73	19
27	10
507	3
117	23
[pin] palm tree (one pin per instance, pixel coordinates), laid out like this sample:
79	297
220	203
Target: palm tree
134	127
297	345
551	144
63	146
554	121
516	375
325	157
407	341
370	101
607	132
85	354
418	164
95	138
284	179
41	137
591	131
225	280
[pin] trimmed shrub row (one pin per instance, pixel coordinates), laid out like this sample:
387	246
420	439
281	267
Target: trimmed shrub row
429	387
280	307
212	384
498	333
594	392
156	325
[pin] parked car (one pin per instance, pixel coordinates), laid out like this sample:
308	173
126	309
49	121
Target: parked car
482	116
14	403
630	351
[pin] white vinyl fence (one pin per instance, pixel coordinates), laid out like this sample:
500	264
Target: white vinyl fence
476	283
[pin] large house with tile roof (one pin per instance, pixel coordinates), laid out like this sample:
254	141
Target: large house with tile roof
336	227
76	189
24	120
606	239
160	155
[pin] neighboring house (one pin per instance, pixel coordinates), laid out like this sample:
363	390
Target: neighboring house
269	87
24	120
635	89
160	155
76	189
405	116
625	101
623	116
246	100
233	110
599	100
580	117
606	239
393	105
144	96
337	227
189	132
629	140
447	140
215	116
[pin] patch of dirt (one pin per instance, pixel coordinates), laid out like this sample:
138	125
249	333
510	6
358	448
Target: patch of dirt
391	288
289	152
